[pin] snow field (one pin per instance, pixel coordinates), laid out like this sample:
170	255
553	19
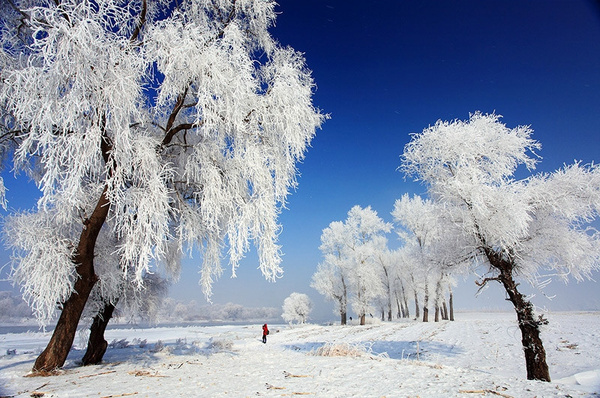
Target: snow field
477	355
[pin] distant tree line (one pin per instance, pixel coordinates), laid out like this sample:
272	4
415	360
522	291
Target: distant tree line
360	271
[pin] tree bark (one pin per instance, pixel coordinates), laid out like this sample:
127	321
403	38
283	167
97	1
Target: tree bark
362	319
417	309
444	311
451	304
425	305
535	354
96	343
436	317
344	302
405	311
57	350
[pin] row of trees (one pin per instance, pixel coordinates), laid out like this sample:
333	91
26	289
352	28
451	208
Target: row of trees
361	271
152	128
478	215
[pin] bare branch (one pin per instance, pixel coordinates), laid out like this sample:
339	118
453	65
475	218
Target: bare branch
484	282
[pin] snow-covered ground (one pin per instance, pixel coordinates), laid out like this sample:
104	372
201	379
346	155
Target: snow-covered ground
477	355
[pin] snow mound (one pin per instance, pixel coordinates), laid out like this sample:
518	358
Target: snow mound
588	380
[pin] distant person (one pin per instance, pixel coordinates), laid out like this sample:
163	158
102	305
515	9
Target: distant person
265	333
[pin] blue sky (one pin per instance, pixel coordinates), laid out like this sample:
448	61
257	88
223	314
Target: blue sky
388	68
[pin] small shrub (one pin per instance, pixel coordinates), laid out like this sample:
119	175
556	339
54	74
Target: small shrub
340	350
219	345
159	346
139	343
123	343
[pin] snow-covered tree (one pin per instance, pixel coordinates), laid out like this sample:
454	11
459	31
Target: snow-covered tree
39	244
420	232
514	228
175	124
332	275
350	273
296	308
387	268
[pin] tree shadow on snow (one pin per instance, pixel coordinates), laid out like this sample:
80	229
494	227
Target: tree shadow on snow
147	354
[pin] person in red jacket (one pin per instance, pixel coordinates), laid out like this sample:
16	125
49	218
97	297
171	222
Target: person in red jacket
265	333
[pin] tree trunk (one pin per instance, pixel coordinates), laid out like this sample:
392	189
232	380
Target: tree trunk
417	309
444	311
425	305
535	354
451	304
96	343
362	319
400	308
57	350
436	317
344	303
405	311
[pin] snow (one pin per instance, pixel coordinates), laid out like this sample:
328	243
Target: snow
479	354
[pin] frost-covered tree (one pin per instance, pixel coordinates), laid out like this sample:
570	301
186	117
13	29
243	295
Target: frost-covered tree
429	254
350	273
514	228
387	267
296	308
332	275
364	230
40	244
420	231
175	124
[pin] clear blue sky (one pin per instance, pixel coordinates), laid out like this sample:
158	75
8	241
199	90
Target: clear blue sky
388	68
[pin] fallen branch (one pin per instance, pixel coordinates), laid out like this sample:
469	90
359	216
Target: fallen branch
98	374
484	392
42	386
144	373
126	394
272	387
288	374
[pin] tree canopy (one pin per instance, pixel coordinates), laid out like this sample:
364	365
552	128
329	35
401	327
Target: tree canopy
166	126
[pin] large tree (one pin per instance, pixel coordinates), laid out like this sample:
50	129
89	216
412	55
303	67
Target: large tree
180	122
515	228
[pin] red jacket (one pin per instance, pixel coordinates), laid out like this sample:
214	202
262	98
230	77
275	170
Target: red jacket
265	330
